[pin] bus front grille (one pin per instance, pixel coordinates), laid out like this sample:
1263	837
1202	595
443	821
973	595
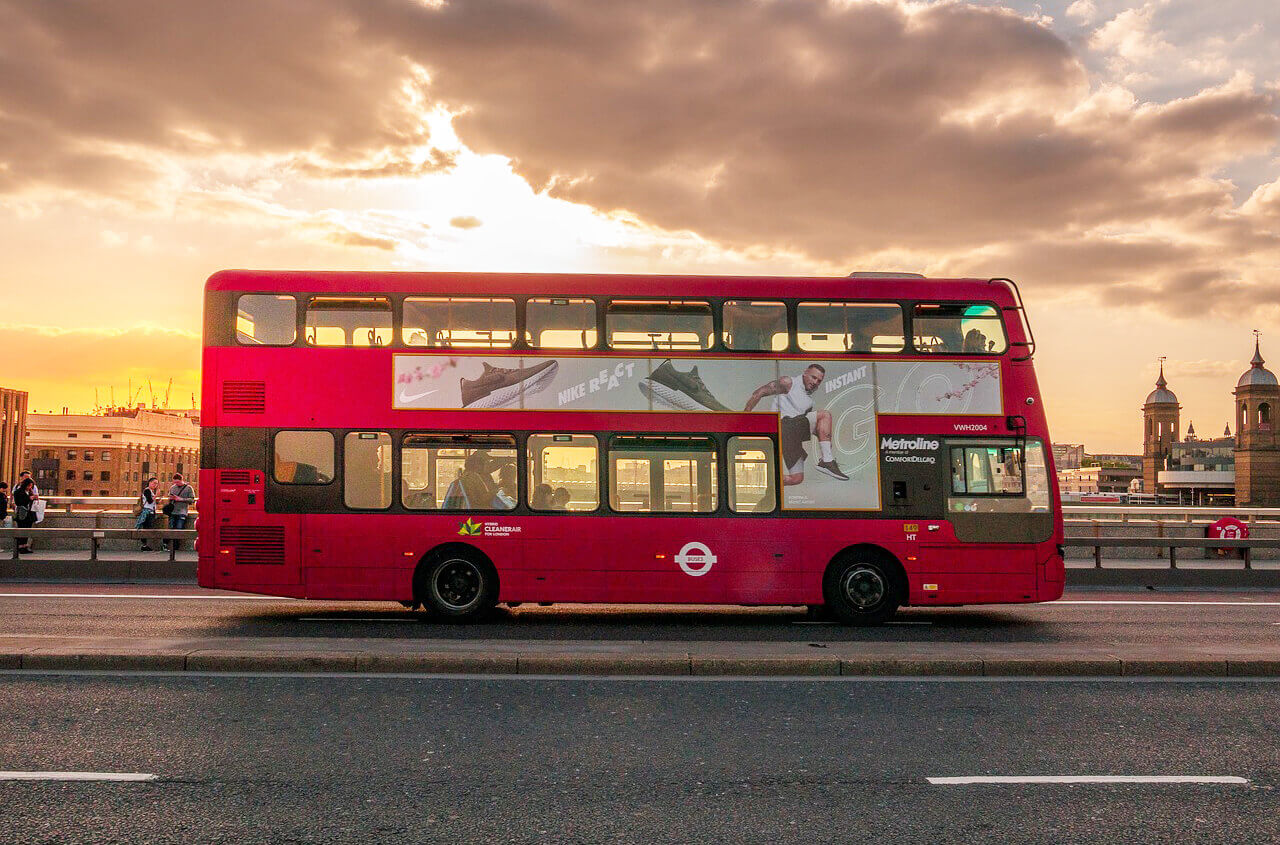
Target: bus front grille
254	544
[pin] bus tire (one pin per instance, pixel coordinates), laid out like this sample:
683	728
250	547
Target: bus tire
864	586
457	584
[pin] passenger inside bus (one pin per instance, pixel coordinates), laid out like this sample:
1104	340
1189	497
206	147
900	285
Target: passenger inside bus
540	498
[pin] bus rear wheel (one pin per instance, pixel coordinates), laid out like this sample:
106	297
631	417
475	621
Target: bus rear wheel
862	589
458	586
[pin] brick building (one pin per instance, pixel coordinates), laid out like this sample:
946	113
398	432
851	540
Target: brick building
13	432
109	454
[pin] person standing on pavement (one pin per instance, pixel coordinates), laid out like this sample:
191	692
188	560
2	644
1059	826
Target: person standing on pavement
25	496
147	512
180	498
4	503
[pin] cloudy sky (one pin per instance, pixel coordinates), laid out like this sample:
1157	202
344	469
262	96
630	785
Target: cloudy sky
1121	160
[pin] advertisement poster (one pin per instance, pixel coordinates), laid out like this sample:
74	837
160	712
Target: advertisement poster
826	407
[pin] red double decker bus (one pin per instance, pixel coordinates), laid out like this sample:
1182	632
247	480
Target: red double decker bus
456	440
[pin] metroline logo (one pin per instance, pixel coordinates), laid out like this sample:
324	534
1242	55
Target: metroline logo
908	443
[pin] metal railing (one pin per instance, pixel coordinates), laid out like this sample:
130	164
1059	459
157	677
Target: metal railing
1161	513
93	504
95	536
1170	543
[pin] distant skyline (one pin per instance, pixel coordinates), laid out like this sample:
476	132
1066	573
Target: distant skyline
1120	160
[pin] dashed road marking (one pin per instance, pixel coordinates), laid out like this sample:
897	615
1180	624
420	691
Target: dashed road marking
79	776
957	781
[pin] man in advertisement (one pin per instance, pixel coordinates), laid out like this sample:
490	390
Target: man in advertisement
794	404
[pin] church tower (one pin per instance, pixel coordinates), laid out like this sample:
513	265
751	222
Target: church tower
1257	448
1160	430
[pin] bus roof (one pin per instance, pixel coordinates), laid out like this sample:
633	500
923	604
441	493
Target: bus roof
584	284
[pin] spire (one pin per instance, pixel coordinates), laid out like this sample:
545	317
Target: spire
1191	431
1226	432
1257	375
1160	382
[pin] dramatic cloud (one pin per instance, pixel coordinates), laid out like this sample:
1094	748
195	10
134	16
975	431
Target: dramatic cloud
950	132
90	89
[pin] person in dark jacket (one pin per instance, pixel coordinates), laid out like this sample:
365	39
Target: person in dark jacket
4	501
147	510
181	497
25	496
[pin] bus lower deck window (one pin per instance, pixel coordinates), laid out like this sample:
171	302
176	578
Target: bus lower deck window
563	474
658	474
458	472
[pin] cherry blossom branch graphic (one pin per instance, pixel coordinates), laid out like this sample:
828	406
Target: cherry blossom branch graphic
982	372
432	372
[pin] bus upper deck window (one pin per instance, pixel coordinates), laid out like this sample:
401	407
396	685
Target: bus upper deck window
349	321
560	323
755	326
849	327
659	324
266	319
958	328
459	322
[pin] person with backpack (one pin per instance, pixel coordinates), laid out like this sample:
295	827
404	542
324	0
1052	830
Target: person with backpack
147	509
25	496
181	497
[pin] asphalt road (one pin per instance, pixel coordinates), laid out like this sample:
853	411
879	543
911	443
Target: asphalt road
1084	618
365	759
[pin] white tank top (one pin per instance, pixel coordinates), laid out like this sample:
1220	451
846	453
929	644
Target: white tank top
796	402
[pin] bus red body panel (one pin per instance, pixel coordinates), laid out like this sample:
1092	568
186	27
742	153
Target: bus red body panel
267	526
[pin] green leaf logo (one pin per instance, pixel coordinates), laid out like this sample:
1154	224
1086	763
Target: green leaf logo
469	528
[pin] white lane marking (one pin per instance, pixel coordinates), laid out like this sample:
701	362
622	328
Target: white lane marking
137	596
1211	603
84	776
912	622
1090	779
352	619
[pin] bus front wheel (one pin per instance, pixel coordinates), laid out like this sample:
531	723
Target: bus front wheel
862	588
458	586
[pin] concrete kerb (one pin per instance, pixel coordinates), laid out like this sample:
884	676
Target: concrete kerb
595	664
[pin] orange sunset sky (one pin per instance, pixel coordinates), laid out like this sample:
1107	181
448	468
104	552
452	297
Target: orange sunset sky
1119	159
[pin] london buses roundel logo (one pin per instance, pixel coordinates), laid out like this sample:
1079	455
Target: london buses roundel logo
695	559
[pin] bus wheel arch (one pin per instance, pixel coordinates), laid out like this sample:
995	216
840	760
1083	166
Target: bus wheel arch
864	584
456	582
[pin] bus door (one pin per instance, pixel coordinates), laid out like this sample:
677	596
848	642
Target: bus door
670	547
565	556
912	494
985	550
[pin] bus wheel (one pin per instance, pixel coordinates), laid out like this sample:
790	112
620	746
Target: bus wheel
862	588
459	586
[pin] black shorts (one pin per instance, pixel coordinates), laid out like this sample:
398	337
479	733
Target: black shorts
794	433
